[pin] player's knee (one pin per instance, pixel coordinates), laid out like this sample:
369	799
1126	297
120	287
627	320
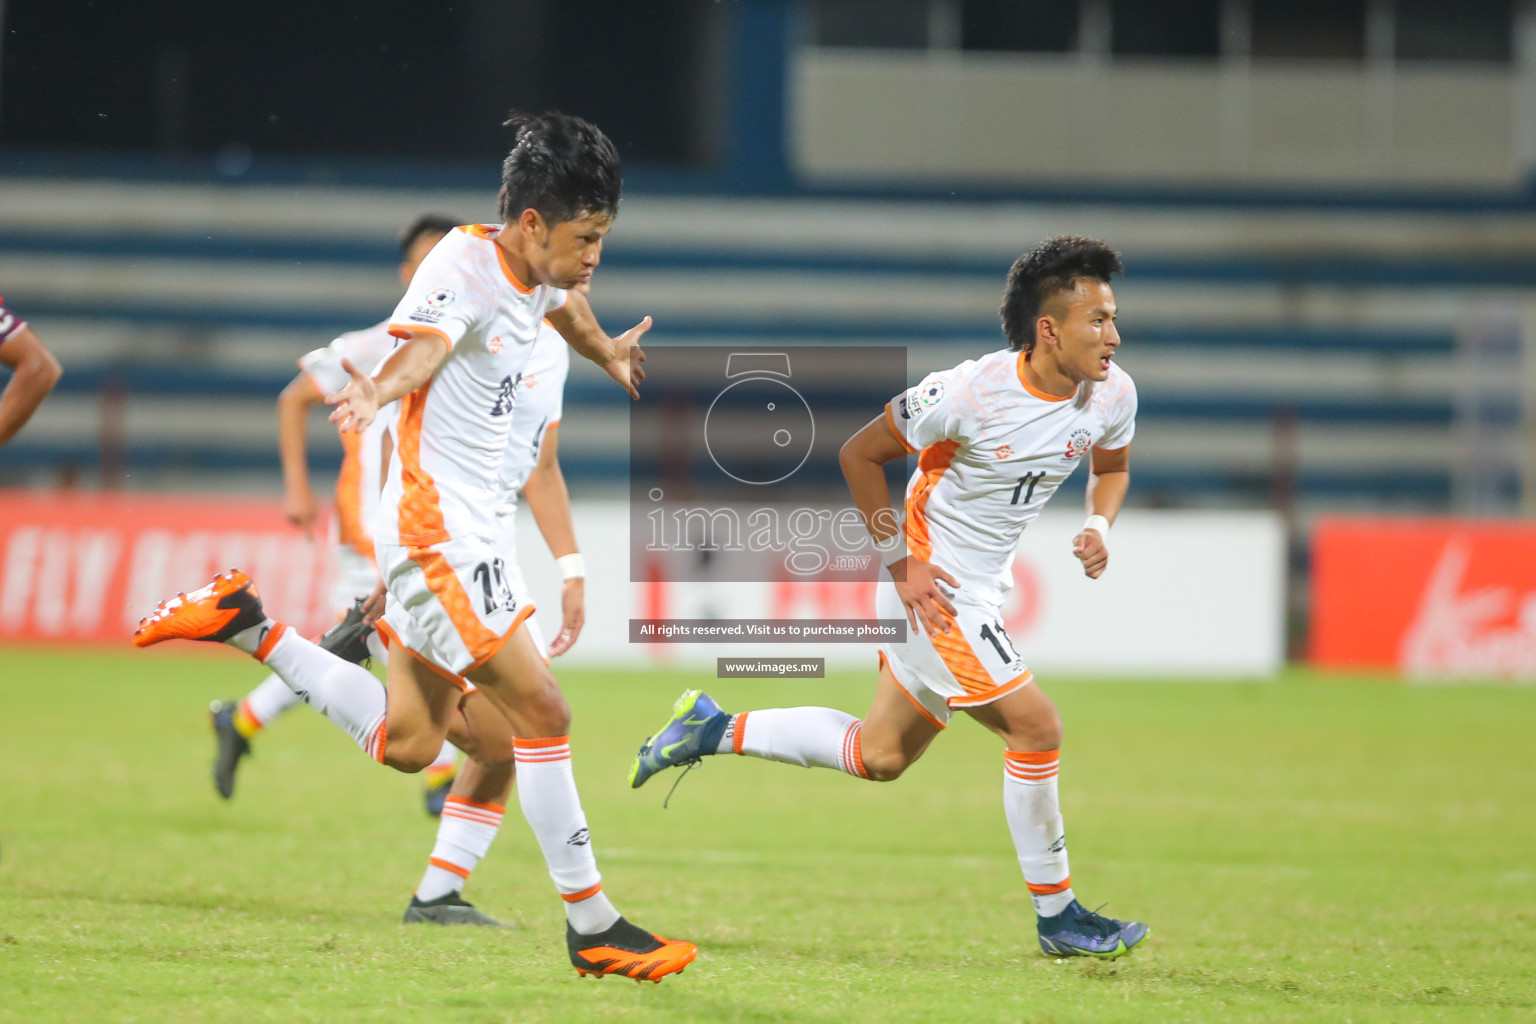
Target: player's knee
547	712
1041	733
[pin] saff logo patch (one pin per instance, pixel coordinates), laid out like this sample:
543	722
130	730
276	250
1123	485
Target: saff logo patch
437	298
931	394
1079	442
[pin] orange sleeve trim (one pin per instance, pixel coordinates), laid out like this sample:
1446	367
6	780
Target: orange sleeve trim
1046	890
548	741
577	897
739	733
890	421
406	330
438	862
465	801
264	649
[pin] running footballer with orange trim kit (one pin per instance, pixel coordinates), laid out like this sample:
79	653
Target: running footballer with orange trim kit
995	437
466	324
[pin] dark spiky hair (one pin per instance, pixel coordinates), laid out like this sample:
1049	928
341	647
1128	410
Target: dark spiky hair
426	224
1052	267
561	166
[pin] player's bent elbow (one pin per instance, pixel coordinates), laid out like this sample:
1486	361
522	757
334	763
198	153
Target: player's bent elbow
50	370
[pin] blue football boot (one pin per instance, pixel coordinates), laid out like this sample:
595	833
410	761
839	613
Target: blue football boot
694	730
1078	931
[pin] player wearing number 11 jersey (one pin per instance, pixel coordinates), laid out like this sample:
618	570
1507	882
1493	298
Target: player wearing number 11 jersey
995	437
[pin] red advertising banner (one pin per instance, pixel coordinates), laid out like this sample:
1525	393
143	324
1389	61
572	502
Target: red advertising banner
1427	597
83	568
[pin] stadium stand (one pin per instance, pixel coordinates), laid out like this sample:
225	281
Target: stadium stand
1306	353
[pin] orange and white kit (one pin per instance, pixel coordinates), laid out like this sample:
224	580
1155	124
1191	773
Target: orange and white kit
436	535
991	451
357	485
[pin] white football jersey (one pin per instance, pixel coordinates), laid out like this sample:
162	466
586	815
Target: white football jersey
992	452
357	485
445	479
540	399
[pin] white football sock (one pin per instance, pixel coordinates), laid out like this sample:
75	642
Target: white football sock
345	693
546	789
269	700
464	837
809	737
1033	809
252	637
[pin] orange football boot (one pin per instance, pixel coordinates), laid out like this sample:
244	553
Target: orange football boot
215	613
628	950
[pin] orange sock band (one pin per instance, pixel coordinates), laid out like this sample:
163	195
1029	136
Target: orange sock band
269	641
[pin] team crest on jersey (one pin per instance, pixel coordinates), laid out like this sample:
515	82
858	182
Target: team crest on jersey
437	298
931	394
1080	441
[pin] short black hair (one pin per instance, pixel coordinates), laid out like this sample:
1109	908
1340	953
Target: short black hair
1053	266
561	166
426	224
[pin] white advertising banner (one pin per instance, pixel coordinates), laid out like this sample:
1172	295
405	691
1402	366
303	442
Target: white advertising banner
1185	593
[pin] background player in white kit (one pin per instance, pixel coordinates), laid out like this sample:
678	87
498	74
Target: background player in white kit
996	437
469	317
357	499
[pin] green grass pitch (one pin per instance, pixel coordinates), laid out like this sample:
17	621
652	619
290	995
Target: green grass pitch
1305	850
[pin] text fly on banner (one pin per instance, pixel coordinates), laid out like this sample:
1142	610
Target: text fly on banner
84	568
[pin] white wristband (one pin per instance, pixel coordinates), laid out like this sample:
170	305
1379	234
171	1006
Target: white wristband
1097	522
892	550
571	566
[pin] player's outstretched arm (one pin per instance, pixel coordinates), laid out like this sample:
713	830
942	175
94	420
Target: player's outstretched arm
408	367
547	496
862	458
1109	477
620	357
34	372
293	405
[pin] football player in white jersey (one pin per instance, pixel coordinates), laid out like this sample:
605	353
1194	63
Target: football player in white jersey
473	808
357	494
995	438
467	322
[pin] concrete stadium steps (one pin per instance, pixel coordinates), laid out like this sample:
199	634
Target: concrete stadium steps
197	300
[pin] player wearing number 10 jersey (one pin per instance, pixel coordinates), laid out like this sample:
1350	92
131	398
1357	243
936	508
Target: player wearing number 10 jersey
995	437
